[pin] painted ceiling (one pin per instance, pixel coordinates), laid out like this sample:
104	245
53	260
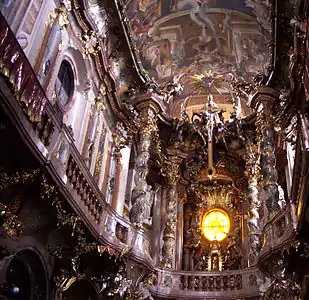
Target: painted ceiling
180	38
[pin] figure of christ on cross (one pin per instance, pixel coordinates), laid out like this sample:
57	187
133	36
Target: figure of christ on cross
210	118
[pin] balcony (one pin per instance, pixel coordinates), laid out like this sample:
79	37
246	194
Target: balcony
26	104
205	285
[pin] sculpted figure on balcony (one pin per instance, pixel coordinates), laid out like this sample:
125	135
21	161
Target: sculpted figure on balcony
137	211
201	264
183	126
149	199
215	262
142	202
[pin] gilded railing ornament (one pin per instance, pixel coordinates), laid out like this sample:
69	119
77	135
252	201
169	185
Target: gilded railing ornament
253	174
64	219
170	170
18	177
10	221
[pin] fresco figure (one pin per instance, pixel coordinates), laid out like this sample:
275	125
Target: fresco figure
200	8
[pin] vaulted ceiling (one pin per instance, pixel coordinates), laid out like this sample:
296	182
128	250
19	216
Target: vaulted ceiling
158	43
179	38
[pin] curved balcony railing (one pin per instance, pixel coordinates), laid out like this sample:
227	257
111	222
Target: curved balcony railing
278	232
236	284
53	143
16	68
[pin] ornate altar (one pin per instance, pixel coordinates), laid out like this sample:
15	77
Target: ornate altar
213	225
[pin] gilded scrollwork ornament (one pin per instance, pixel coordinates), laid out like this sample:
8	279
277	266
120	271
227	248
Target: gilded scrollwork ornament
10	221
147	121
91	43
7	179
100	99
9	218
170	169
61	16
121	138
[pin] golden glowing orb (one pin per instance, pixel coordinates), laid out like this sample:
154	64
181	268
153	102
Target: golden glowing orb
216	225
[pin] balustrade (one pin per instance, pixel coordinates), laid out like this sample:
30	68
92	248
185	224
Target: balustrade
206	285
83	189
45	129
53	140
278	232
19	74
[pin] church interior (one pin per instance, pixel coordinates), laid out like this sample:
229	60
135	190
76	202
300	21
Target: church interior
154	149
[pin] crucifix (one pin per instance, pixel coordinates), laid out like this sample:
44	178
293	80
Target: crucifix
213	119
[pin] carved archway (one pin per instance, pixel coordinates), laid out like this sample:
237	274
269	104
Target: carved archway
24	276
82	289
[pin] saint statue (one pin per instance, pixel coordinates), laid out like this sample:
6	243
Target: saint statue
149	199
142	202
215	262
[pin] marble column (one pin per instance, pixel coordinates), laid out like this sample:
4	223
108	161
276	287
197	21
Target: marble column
263	102
170	170
186	259
179	235
156	226
140	194
254	203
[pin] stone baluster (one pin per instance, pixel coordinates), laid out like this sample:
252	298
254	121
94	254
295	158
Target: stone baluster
263	102
253	173
170	170
147	125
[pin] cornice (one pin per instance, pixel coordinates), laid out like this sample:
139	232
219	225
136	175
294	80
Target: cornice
101	63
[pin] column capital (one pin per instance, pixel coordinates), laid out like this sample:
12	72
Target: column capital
170	169
149	102
263	98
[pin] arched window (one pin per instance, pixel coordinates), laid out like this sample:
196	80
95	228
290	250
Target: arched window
65	84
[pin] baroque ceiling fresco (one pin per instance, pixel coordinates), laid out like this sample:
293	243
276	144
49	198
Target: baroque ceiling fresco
180	38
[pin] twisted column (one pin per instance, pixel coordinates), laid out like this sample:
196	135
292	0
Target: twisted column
263	102
253	173
147	126
170	170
